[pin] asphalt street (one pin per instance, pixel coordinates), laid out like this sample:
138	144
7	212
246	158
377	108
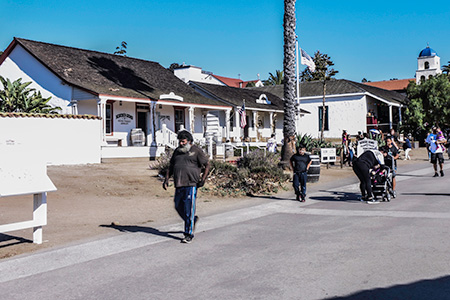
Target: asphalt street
331	247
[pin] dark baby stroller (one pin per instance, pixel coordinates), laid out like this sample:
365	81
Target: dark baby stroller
381	180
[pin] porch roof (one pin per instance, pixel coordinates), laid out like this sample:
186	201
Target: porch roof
338	87
235	96
108	74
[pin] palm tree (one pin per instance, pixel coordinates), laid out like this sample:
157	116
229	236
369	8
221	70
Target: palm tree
276	79
17	97
289	81
446	69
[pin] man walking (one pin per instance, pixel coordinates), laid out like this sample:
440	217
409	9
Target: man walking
186	167
300	163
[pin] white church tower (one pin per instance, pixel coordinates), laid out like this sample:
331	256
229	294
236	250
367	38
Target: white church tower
428	65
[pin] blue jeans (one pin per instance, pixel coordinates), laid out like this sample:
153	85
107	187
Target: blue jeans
299	182
185	198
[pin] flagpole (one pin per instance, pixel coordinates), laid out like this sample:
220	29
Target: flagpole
298	73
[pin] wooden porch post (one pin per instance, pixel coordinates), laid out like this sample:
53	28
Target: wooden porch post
227	123
191	120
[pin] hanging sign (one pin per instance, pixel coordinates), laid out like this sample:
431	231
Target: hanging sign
124	118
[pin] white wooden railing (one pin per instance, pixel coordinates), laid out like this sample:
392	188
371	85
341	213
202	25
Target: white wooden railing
166	137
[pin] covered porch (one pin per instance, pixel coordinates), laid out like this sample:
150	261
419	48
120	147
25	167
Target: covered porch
144	127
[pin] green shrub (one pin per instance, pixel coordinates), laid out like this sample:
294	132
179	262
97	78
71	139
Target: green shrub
164	161
256	173
312	145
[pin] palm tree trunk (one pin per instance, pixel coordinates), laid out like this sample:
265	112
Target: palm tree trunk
323	109
289	82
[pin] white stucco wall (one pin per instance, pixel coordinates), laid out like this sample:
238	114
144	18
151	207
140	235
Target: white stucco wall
122	125
87	107
56	141
20	64
166	116
193	73
344	113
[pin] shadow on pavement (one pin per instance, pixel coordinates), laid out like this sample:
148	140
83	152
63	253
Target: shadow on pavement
9	240
410	175
134	228
438	288
427	194
271	197
337	196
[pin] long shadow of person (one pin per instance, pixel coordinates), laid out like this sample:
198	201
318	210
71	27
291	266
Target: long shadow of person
151	230
337	196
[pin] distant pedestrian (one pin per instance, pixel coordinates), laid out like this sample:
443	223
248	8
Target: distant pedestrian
272	144
407	147
351	152
391	161
394	138
437	150
186	167
300	163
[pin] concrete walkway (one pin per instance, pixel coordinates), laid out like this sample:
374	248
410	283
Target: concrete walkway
332	245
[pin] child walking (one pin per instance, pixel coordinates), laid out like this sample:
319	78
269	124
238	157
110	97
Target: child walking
300	163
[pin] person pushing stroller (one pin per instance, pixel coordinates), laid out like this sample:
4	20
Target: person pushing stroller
362	166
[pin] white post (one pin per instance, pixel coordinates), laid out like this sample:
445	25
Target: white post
191	119
255	123
227	123
74	107
272	129
210	148
153	122
390	117
237	124
39	215
164	134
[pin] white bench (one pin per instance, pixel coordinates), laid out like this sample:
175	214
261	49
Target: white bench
25	177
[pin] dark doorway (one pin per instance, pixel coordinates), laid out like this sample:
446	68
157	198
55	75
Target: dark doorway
179	118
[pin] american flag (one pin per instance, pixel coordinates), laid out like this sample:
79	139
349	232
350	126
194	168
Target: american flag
243	116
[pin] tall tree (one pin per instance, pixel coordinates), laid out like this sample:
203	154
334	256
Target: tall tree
276	79
323	72
174	66
429	104
18	97
122	49
289	81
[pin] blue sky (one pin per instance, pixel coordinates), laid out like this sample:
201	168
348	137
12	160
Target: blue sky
377	40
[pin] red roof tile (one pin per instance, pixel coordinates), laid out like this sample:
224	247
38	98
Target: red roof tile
391	85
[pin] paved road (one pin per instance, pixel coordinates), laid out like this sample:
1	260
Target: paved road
331	246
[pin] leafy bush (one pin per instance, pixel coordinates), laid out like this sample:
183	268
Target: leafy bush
164	161
256	173
312	145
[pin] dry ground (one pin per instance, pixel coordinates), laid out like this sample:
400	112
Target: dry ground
127	192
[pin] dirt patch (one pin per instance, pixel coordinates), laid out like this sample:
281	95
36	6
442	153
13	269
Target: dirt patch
127	192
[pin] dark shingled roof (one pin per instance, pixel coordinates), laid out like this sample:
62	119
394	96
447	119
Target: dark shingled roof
109	74
235	96
336	87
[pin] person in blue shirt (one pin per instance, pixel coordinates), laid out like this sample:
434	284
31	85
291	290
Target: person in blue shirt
407	147
437	151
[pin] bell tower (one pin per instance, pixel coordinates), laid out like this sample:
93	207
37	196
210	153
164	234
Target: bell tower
428	65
